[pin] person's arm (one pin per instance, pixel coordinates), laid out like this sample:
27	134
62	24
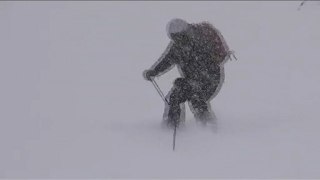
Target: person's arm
166	61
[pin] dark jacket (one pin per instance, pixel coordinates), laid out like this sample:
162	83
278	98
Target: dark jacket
199	52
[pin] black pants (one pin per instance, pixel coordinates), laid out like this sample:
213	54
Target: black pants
196	93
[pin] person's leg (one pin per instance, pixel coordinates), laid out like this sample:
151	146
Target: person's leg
175	110
201	110
199	103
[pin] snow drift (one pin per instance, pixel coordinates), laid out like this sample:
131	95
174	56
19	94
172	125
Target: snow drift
74	103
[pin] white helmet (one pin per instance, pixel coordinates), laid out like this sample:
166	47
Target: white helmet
176	26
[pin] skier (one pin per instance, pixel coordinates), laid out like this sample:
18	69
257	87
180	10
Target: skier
199	51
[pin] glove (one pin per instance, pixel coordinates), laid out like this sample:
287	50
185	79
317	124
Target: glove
149	74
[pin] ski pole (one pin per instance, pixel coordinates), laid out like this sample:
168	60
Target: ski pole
166	101
159	91
174	136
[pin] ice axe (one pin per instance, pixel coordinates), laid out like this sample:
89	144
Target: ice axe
166	101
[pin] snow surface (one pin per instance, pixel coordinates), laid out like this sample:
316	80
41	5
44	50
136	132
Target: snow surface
74	104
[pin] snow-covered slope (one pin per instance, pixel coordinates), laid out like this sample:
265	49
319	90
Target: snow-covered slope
74	103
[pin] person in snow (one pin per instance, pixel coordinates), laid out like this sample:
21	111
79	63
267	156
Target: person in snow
199	51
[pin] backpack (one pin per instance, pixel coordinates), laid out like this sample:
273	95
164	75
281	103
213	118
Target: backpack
213	41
